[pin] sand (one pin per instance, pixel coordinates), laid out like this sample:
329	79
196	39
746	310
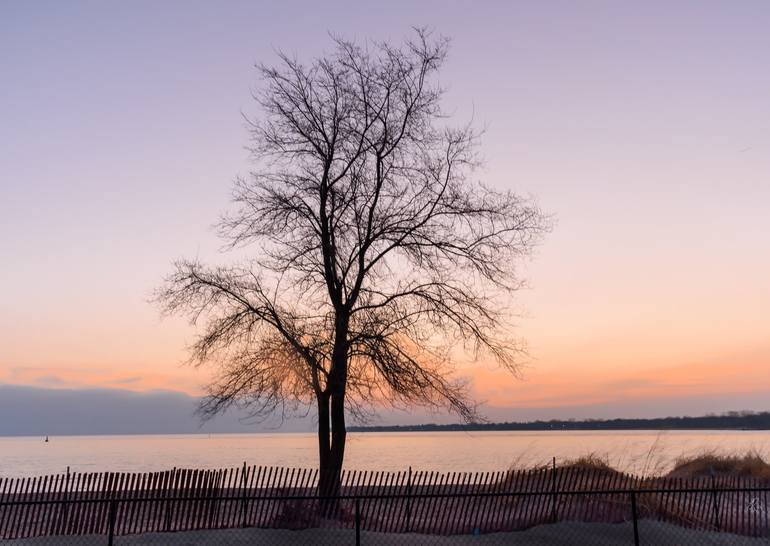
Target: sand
564	533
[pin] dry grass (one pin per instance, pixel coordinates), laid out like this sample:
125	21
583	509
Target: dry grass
591	461
748	465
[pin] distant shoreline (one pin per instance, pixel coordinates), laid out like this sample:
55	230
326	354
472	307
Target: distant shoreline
730	421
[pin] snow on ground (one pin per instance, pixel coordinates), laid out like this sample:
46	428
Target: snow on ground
558	534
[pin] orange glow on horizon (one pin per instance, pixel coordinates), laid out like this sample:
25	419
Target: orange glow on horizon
546	384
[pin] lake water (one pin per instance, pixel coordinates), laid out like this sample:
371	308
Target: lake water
643	452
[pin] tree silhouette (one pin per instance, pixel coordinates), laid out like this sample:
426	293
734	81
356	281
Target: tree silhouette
379	259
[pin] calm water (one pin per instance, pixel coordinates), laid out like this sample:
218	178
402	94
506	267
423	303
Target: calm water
633	451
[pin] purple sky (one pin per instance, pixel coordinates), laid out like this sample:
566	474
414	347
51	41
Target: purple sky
643	126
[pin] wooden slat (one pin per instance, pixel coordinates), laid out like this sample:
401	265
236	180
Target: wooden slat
368	480
445	479
567	479
129	495
413	505
73	516
95	509
151	504
393	503
482	509
137	522
256	491
243	492
10	523
104	515
583	482
458	506
453	482
735	498
543	510
92	508
193	492
8	484
260	517
201	491
507	507
27	509
398	511
541	483
3	507
47	521
704	515
430	504
478	506
492	505
615	505
274	491
460	509
13	515
530	501
380	504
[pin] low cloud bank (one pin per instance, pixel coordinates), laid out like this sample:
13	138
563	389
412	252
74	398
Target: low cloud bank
34	411
37	411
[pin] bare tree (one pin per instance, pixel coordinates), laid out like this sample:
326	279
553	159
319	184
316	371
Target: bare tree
378	258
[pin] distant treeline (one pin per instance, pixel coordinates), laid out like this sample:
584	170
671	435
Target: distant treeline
733	420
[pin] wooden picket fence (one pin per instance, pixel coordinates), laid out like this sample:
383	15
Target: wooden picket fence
421	502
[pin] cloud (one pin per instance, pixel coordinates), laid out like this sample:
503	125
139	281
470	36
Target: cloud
88	378
575	386
128	380
50	380
40	411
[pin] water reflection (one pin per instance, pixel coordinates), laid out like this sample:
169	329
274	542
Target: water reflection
645	452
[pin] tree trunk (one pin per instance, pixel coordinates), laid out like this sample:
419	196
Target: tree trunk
332	456
331	420
324	439
339	433
328	474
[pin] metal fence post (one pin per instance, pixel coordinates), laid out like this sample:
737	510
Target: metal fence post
111	528
358	523
634	516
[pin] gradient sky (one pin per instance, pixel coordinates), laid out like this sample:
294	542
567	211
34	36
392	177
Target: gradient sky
643	126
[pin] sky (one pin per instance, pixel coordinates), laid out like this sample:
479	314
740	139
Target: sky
643	127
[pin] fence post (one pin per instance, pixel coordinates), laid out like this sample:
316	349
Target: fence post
358	523
635	518
553	491
717	523
409	501
111	528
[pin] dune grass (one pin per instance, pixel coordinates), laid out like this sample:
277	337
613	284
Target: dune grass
748	465
751	464
590	461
